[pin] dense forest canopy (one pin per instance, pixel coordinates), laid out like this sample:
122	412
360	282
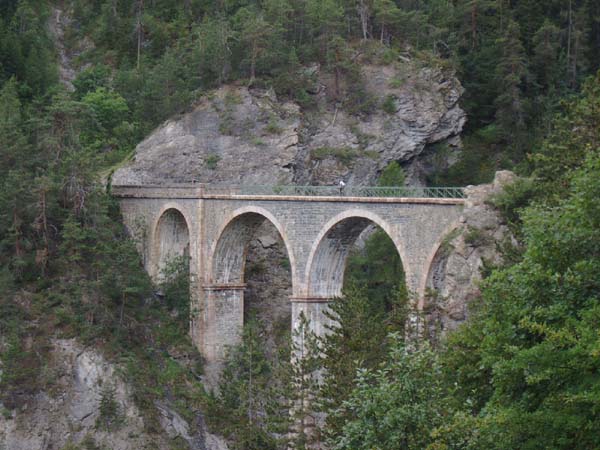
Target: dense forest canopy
522	374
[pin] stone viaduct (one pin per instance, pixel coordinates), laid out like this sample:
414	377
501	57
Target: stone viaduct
214	226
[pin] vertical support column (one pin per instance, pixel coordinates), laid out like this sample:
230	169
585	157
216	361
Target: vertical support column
416	251
314	309
196	299
223	319
197	268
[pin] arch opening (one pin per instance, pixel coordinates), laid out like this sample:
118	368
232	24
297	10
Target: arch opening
443	312
173	243
350	247
251	253
374	265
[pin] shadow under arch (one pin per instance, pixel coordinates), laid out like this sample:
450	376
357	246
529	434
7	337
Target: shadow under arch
228	252
329	254
171	238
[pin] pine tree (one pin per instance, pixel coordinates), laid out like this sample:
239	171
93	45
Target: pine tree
255	33
356	340
511	72
12	140
386	15
305	374
545	62
244	392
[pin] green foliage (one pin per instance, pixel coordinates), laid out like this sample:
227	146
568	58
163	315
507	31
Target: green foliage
109	108
525	362
375	303
392	175
110	415
514	197
564	150
359	334
248	408
344	154
389	104
176	287
377	268
211	161
396	406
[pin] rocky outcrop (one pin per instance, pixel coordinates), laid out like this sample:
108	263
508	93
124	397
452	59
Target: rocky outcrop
237	135
457	268
90	403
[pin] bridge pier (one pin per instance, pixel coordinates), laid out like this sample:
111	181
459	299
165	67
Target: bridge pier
223	319
314	309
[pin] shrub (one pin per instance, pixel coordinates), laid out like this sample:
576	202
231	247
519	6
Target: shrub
342	154
211	161
392	175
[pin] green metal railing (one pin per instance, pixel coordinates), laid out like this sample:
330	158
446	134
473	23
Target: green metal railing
347	191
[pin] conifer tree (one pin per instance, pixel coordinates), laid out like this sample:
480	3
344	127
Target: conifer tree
12	140
387	15
356	339
305	374
546	42
511	72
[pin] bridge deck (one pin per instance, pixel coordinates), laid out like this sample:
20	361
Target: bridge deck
451	196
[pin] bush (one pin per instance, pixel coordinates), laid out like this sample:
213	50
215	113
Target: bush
392	175
343	154
389	104
211	161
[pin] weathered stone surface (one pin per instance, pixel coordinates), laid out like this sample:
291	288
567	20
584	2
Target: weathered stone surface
233	136
69	412
456	270
236	135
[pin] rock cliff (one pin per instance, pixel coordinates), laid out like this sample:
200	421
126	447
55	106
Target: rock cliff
91	405
237	135
467	251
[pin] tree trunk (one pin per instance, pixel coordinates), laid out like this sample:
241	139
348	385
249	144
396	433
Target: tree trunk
363	12
253	56
570	25
139	31
17	230
473	25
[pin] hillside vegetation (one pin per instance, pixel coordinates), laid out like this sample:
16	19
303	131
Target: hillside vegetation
523	373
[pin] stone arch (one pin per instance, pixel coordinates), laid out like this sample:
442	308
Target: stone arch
171	237
329	253
229	250
429	263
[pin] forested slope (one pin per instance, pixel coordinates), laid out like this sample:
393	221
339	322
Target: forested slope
523	373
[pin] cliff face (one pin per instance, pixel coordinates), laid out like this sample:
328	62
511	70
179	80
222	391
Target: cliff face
239	135
457	269
90	403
